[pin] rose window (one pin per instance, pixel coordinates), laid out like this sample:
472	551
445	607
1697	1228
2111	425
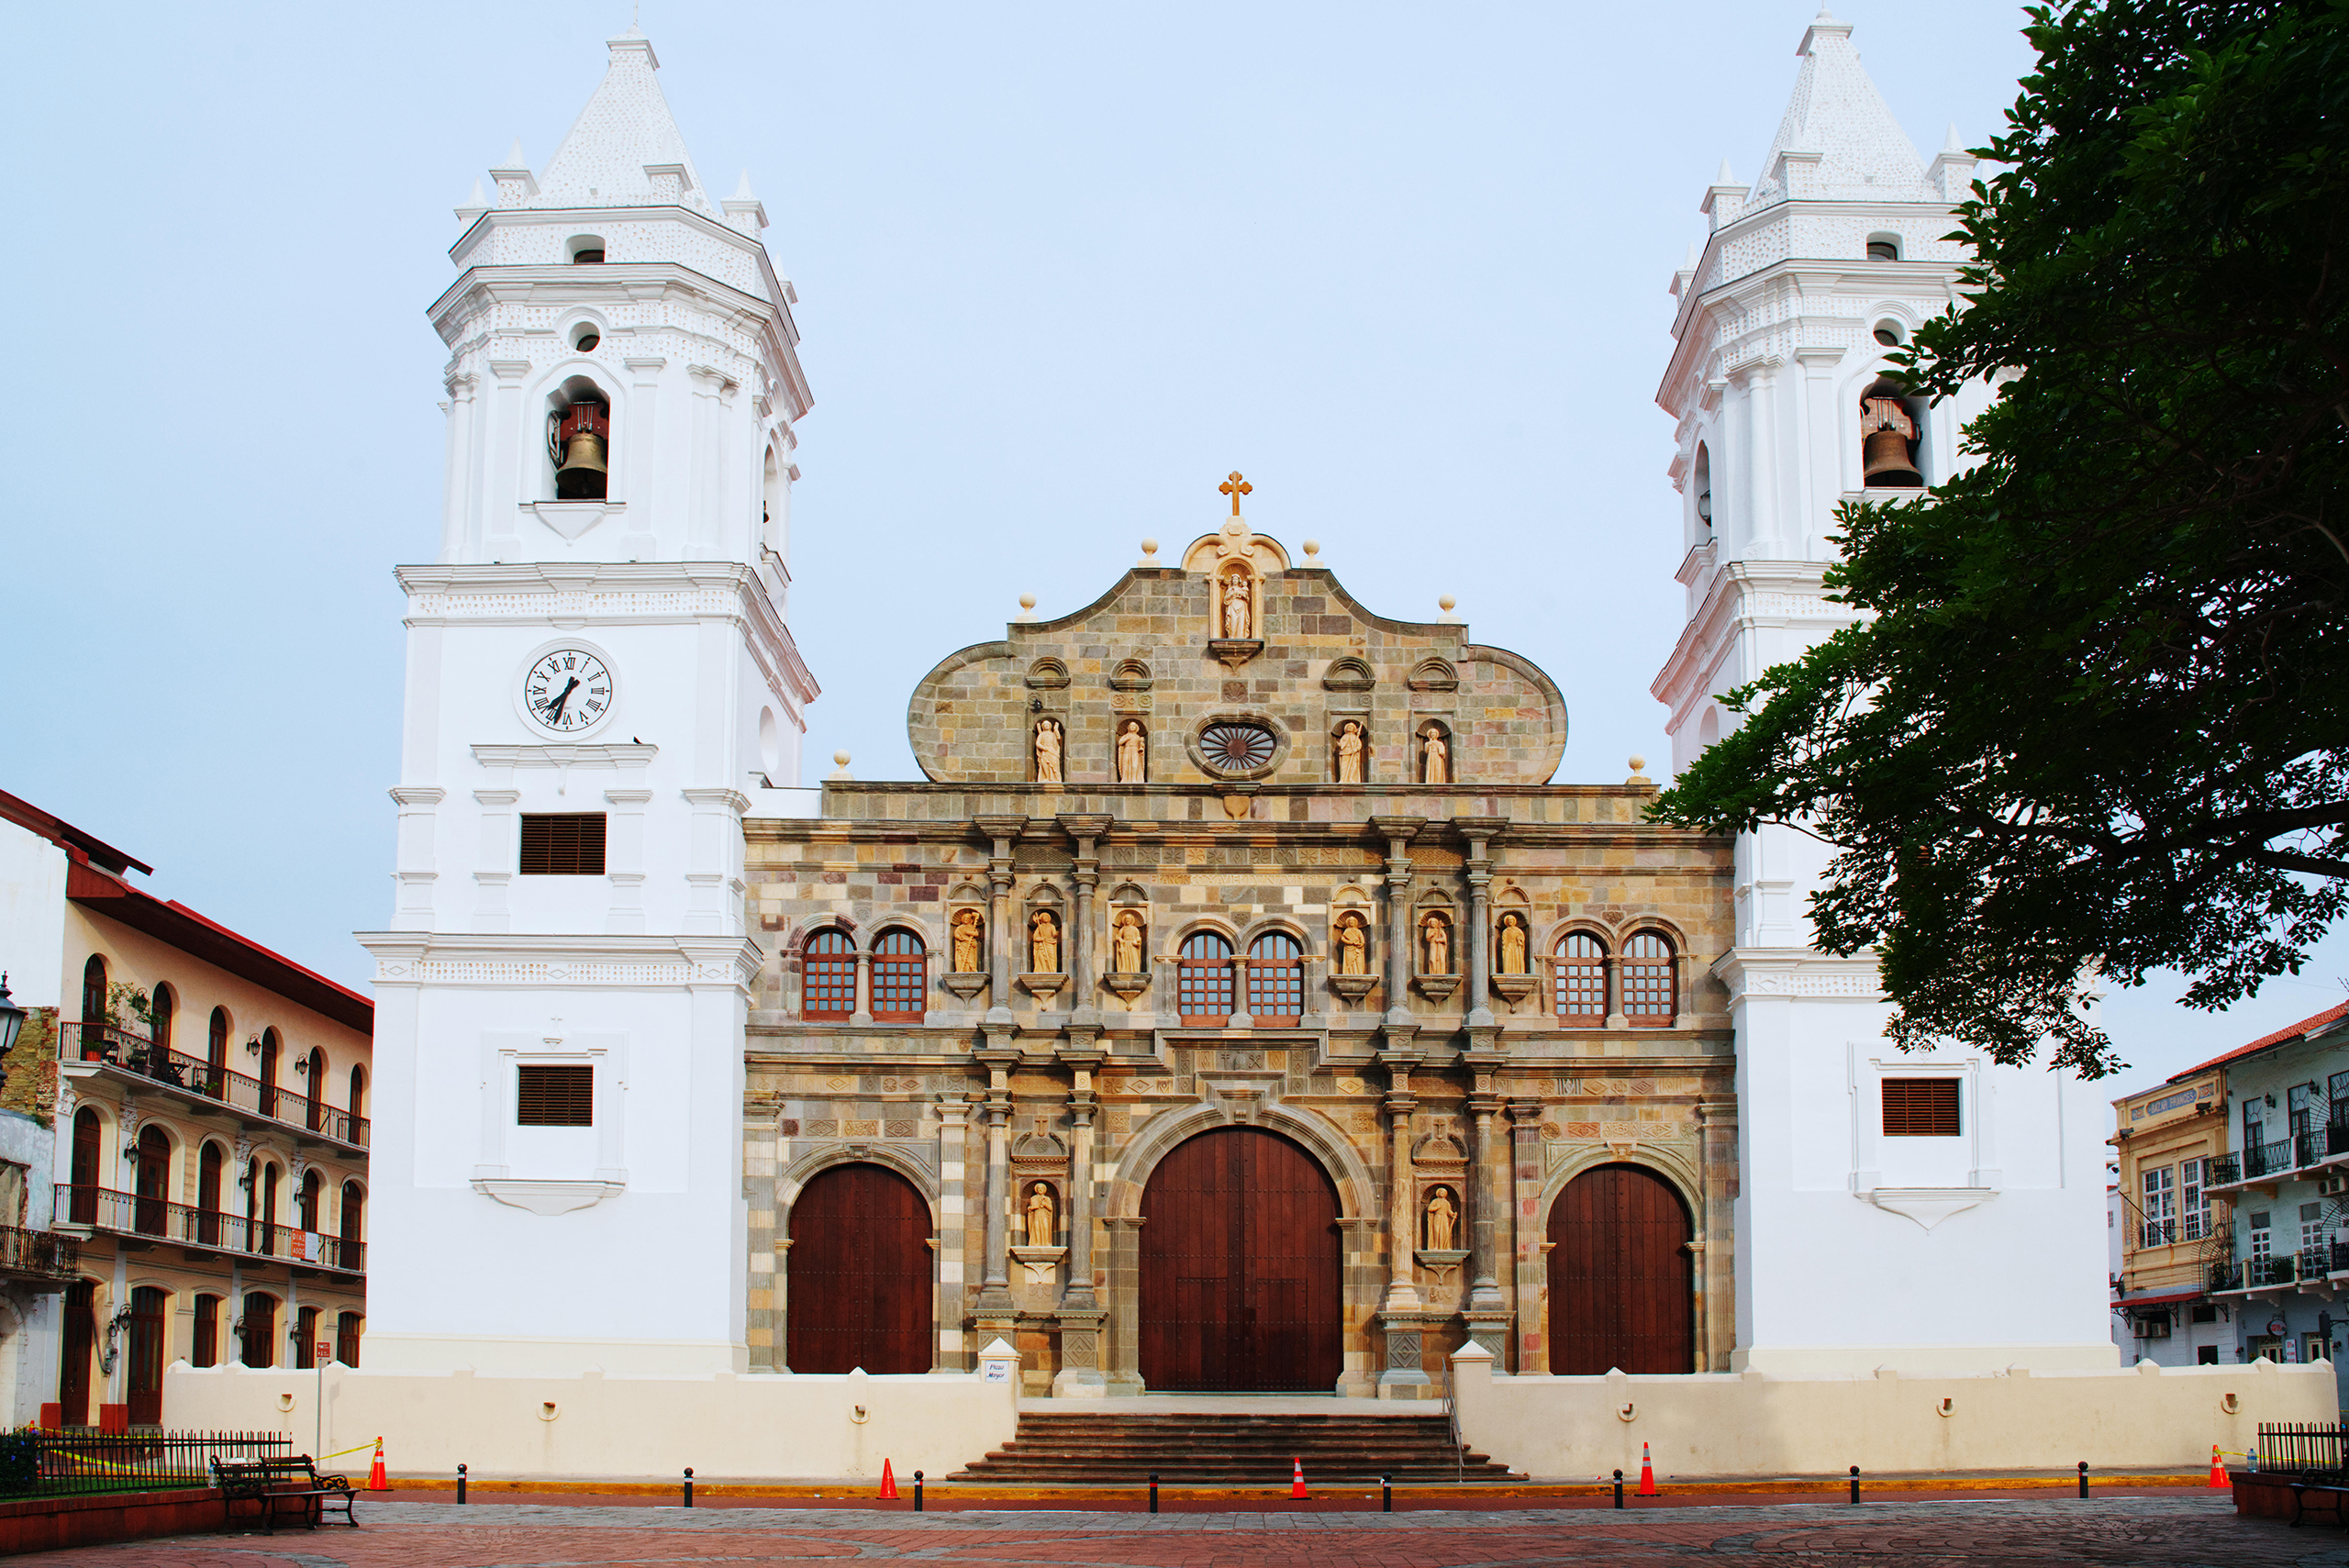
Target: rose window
1236	748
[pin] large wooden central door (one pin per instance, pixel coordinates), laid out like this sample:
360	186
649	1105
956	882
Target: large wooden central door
859	1277
1622	1286
1240	1265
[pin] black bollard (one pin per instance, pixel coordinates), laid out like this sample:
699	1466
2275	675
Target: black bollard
1856	1485
689	1486
1153	1491
461	1483
2084	1478
1386	1494
1618	1488
917	1491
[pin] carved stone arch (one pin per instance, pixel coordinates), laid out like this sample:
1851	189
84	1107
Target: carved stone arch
1433	897
1129	893
1178	934
1433	675
1558	930
1047	674
1348	674
1677	1168
917	925
966	892
1132	674
805	931
793	1178
1357	1196
1283	923
1632	925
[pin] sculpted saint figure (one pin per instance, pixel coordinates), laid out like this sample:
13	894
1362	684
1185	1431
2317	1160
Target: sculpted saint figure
1435	757
1350	940
1439	943
1512	945
1235	607
1132	754
1350	753
1039	1215
1441	1215
1125	944
967	931
1044	943
1048	752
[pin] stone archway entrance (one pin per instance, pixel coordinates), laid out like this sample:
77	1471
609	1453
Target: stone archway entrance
858	1277
1239	1275
1622	1284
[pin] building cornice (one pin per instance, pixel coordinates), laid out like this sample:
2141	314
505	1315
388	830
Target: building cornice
1741	596
1797	971
520	961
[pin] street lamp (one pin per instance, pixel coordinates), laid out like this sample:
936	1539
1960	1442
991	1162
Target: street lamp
12	1019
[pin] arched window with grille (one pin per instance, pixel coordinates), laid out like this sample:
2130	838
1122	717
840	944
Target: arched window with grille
97	1041
269	1055
900	978
1203	985
314	1075
1275	979
163	1007
1581	980
1648	988
216	1056
828	976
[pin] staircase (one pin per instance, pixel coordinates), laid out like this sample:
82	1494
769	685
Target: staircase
1119	1449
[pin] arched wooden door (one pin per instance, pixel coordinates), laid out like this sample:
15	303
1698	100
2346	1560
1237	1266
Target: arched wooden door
76	1342
1622	1287
147	1305
1240	1268
860	1276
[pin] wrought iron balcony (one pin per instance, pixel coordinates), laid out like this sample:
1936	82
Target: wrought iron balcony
2227	1275
2266	1272
2323	1259
38	1255
129	1213
2337	1135
134	1052
2268	1159
2225	1170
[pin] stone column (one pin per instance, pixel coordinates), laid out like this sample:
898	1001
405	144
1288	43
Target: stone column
994	1310
1398	832
1085	1012
640	480
1080	1313
1479	833
1526	1173
707	481
1002	830
953	1220
1403	1376
458	492
1486	1312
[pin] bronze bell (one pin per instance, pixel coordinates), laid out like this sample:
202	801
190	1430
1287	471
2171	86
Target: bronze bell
577	439
1884	462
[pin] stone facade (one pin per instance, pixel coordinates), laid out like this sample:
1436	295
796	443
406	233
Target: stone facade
1396	1079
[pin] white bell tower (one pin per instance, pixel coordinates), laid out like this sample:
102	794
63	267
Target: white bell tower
1974	1244
600	680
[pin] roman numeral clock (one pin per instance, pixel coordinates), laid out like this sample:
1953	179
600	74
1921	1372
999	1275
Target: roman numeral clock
568	690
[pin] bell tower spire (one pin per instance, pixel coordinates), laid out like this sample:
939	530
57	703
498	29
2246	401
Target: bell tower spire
1785	405
601	682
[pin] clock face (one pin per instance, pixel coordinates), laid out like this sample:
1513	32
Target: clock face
568	690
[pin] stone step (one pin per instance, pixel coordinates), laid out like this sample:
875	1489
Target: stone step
1119	1449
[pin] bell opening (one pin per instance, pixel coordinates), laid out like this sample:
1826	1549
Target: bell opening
1890	429
579	438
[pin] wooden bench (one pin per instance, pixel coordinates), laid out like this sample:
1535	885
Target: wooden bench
286	1487
2329	1487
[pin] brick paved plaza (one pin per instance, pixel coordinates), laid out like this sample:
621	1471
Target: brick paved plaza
2194	1528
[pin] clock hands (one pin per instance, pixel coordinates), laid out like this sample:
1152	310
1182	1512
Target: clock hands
555	704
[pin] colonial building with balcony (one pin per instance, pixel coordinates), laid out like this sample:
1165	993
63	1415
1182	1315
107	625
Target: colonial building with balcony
2168	1229
2281	1276
208	1164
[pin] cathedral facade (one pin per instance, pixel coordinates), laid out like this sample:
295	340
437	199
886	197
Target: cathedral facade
1237	1006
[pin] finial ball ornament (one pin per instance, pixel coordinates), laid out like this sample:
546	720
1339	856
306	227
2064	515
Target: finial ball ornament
1446	602
839	758
1312	547
1027	601
1638	765
1150	547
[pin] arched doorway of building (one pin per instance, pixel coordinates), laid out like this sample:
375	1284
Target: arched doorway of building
1622	1287
76	1343
147	1305
860	1273
1240	1268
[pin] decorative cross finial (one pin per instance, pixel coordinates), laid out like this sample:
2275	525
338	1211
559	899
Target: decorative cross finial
1234	488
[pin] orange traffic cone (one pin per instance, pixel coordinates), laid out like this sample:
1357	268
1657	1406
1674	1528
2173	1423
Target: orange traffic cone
1297	1481
2218	1482
376	1480
888	1482
1647	1474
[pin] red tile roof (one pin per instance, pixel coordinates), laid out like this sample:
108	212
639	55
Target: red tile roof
2289	1032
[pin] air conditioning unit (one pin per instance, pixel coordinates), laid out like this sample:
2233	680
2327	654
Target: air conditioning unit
2333	1185
2150	1328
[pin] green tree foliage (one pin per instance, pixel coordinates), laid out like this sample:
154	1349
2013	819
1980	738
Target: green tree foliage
2093	717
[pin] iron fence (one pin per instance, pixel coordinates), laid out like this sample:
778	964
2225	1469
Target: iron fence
2299	1446
41	1252
2260	1271
135	1053
59	1463
134	1214
2268	1159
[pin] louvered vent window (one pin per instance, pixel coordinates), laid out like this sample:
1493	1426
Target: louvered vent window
555	1096
1921	1107
567	843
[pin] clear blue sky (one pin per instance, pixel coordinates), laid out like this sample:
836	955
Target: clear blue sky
1060	268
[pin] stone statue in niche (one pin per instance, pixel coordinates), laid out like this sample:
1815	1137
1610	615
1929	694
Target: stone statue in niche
1125	944
1353	943
1133	753
1436	937
969	940
1435	757
1048	752
1044	943
1442	1218
1236	622
1513	944
1350	752
1039	1215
